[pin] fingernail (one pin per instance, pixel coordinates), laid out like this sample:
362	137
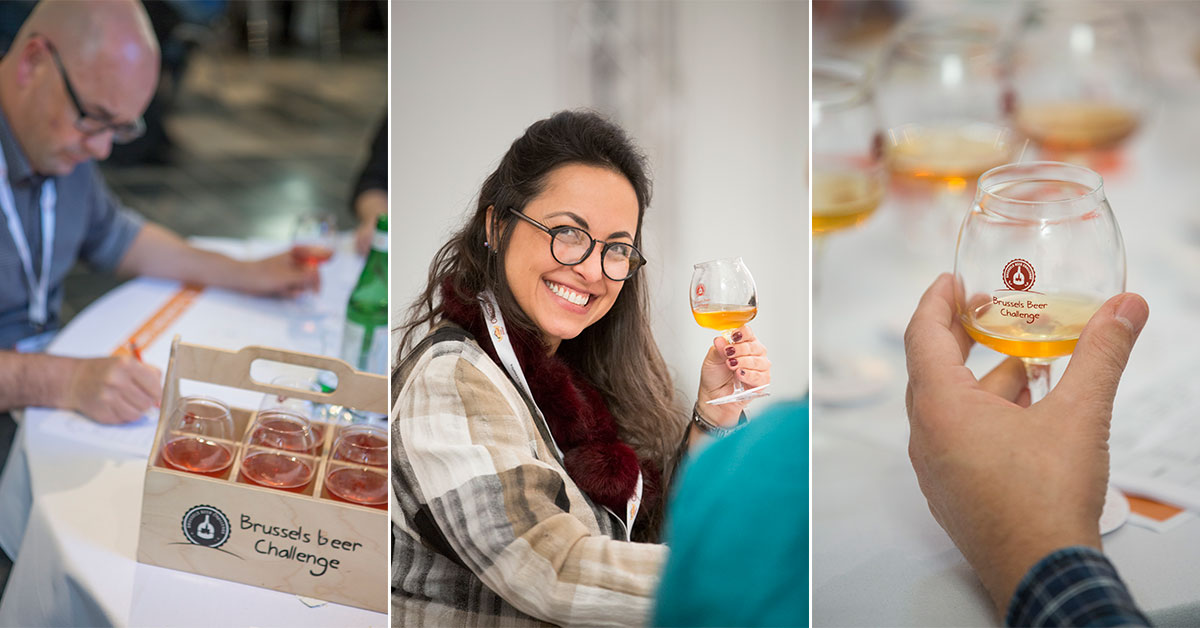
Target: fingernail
743	371
737	336
732	361
729	351
1132	313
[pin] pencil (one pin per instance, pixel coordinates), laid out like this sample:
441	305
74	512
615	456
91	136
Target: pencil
137	353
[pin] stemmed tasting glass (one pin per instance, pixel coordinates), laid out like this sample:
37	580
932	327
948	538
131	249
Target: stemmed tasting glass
723	298
358	465
1038	253
277	451
848	176
199	436
942	94
314	239
1078	79
848	181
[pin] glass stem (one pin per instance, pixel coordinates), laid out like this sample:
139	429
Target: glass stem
1038	376
738	388
818	254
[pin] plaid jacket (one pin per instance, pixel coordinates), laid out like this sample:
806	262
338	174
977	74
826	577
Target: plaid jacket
488	529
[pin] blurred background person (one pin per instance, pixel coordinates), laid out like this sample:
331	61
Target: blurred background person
369	200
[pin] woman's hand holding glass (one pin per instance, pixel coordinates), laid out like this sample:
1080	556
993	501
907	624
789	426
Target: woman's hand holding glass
743	360
724	298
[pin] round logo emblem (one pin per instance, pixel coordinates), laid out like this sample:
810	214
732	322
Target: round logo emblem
1019	275
699	289
205	525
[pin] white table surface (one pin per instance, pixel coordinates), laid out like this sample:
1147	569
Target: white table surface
879	558
70	496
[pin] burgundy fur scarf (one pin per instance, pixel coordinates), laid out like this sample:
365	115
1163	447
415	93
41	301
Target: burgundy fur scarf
600	464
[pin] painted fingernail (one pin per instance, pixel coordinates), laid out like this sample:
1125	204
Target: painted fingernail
743	372
737	336
732	361
729	351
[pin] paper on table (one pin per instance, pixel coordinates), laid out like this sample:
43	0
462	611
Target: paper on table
1156	516
1155	442
220	318
133	439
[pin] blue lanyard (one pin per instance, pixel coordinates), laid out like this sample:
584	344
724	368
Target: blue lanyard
39	287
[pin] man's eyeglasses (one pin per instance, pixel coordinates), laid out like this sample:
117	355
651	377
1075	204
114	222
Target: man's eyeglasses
89	124
571	245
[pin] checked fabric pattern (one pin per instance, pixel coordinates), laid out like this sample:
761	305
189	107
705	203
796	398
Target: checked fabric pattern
488	528
1075	586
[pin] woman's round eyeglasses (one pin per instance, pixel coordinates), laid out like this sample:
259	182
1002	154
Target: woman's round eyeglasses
572	245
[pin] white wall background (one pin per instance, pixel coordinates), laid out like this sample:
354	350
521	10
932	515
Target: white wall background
715	92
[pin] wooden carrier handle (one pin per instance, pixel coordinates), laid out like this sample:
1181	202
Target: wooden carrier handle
355	389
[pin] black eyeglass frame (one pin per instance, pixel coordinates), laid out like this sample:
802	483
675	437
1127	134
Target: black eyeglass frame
122	133
554	231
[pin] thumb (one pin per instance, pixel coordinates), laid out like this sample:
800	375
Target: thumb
1103	350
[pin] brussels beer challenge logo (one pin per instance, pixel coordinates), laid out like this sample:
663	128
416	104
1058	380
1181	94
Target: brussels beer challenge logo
206	526
1019	275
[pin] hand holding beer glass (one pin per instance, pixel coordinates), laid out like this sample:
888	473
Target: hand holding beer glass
723	298
1039	252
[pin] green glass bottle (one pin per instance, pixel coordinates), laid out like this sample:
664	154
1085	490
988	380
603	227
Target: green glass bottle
365	339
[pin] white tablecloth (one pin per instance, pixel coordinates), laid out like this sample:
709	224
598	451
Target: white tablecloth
879	558
70	496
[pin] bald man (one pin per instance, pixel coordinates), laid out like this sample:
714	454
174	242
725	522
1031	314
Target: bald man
76	79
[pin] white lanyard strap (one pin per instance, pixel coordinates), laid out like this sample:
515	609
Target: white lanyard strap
504	349
508	357
39	287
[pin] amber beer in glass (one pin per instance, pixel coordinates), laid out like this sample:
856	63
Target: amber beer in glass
1038	253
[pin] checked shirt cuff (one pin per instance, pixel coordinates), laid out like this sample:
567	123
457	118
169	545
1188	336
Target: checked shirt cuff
1074	586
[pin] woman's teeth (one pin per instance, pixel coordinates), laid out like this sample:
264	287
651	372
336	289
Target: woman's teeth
568	294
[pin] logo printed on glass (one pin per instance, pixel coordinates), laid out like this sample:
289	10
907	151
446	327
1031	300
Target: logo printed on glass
1019	275
205	526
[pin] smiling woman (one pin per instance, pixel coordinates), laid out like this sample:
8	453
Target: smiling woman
536	429
562	287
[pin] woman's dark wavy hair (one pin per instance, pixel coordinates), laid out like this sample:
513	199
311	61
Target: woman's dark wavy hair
617	354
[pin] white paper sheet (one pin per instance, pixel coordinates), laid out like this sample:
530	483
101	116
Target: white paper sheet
1155	440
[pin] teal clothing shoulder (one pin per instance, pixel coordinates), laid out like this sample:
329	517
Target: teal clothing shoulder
738	529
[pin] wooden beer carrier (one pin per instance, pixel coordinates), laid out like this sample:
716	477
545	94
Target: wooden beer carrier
305	543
